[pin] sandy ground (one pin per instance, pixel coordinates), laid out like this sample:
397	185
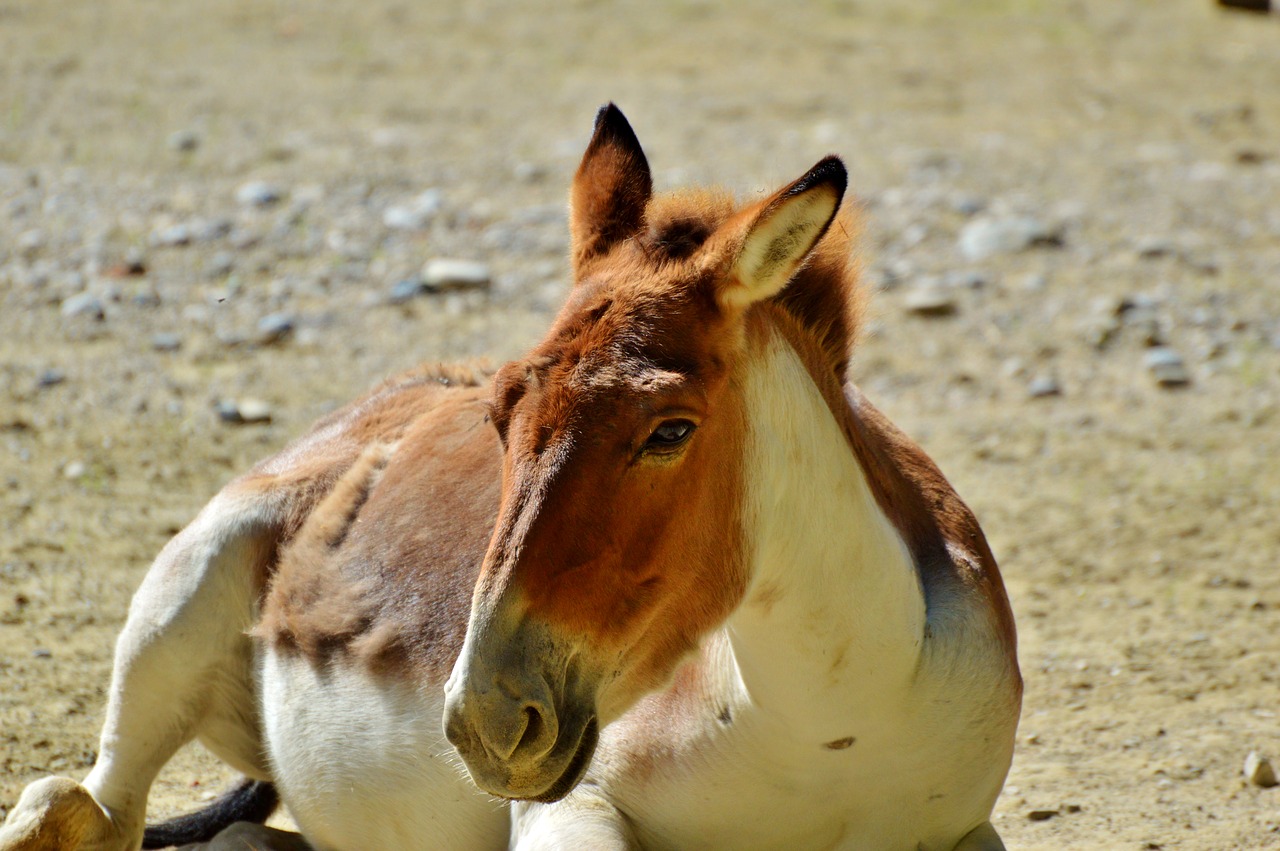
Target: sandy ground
1136	145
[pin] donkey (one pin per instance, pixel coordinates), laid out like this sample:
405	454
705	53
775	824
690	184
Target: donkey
670	581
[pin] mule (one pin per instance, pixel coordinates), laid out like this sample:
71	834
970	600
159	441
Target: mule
669	581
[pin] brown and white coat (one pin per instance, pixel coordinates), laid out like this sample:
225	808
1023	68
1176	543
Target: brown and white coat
670	581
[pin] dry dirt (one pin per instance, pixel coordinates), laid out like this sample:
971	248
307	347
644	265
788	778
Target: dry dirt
1135	524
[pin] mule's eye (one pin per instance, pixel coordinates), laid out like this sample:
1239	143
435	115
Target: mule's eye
670	435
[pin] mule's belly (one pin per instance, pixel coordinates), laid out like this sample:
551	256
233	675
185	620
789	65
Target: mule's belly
363	765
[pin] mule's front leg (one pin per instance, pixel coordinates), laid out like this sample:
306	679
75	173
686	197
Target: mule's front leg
584	819
183	645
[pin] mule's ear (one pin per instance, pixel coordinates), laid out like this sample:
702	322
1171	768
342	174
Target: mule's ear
610	190
784	232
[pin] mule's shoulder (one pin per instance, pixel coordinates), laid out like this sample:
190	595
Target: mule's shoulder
944	537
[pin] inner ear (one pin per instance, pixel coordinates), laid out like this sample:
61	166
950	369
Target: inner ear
781	236
611	189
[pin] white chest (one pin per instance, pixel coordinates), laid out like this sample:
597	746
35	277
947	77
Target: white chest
735	774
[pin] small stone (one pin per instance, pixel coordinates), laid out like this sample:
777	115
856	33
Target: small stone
415	214
406	290
171	236
42	653
1044	386
164	342
258	193
1153	247
929	300
968	205
275	328
1258	771
51	378
244	411
184	141
1167	367
220	265
74	470
1042	815
83	304
444	274
30	243
984	237
1146	322
133	265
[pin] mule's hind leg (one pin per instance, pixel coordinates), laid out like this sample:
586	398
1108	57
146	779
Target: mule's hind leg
981	838
183	648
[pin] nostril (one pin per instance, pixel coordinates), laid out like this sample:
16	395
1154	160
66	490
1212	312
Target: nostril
533	727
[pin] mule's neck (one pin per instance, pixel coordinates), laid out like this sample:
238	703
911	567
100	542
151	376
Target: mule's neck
833	617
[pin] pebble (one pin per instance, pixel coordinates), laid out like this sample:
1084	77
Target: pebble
1042	815
415	214
1153	247
133	265
244	411
30	243
984	237
164	342
968	205
1044	386
74	470
83	304
171	236
184	141
445	274
929	301
1167	367
42	653
220	265
1146	322
1258	771
258	193
275	328
51	378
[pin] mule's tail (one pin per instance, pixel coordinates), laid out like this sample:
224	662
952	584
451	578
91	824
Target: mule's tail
250	800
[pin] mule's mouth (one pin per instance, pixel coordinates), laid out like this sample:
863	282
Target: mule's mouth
575	769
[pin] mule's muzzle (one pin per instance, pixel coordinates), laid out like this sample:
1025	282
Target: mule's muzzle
516	743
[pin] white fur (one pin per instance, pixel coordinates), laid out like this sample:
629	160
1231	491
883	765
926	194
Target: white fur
182	664
363	763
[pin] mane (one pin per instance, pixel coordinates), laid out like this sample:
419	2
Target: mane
826	296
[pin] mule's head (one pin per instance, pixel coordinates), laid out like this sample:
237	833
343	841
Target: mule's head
619	542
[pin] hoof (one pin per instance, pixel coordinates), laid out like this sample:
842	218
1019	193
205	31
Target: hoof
57	814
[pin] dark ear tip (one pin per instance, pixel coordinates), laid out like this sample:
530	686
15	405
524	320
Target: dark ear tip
830	170
612	126
608	112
